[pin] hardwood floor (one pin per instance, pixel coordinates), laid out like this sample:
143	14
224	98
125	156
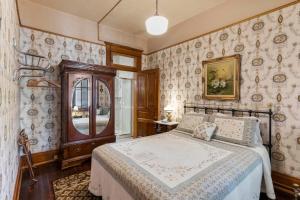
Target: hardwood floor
42	190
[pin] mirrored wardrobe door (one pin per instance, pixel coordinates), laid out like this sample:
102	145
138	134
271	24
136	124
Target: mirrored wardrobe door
80	105
103	104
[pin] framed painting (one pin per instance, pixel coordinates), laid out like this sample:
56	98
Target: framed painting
221	78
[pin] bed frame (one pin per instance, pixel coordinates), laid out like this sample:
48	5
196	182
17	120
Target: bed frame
269	112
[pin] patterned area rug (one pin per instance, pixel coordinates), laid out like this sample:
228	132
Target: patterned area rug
74	187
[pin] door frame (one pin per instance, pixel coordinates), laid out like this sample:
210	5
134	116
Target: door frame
134	107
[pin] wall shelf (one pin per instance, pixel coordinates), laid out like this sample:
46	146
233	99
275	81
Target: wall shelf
30	62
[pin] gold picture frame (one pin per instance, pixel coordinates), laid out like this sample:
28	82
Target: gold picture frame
221	78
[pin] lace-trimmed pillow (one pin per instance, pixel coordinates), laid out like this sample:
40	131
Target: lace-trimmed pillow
190	121
238	130
205	130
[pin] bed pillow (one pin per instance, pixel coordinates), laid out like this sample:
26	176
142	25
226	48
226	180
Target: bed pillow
258	138
238	130
190	121
205	130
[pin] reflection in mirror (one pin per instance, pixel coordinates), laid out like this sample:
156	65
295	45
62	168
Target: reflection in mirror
80	105
103	106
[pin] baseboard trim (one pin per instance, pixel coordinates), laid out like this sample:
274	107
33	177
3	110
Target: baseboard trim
284	182
41	158
18	182
38	159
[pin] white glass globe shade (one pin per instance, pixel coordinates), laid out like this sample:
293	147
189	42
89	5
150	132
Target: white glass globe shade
156	25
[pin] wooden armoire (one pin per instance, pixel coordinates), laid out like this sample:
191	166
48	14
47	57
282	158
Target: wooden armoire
87	106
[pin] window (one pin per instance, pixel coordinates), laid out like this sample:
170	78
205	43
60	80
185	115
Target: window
123	58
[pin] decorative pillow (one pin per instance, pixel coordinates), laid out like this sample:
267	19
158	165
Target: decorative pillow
190	121
258	138
238	130
205	130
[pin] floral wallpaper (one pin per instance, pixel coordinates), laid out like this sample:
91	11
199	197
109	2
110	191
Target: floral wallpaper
9	99
40	107
270	73
103	98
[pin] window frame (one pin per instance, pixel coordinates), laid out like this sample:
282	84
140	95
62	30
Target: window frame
112	49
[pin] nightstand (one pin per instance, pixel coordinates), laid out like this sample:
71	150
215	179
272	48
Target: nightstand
161	126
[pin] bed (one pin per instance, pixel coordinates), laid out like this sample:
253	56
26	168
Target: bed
83	123
176	165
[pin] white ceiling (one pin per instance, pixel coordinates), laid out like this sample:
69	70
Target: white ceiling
89	9
130	15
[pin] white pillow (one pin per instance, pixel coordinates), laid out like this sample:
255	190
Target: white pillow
205	130
190	121
239	130
258	139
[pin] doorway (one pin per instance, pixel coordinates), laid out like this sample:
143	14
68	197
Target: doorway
124	104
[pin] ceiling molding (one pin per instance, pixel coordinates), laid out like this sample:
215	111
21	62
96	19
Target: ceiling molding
50	32
99	21
18	13
169	46
75	37
227	26
62	35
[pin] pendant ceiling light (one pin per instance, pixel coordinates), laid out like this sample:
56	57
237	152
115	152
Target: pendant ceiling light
156	25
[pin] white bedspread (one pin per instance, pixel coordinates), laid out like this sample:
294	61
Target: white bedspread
171	168
261	150
174	161
101	120
266	168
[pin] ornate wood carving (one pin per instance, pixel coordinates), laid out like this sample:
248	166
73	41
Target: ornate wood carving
126	51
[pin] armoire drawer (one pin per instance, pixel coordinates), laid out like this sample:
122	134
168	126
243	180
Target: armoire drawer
85	148
77	150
